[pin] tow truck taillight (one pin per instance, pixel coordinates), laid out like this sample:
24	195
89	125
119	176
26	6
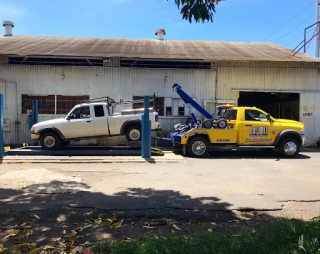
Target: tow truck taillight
157	118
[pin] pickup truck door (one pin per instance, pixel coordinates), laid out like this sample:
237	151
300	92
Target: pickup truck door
100	120
80	123
256	129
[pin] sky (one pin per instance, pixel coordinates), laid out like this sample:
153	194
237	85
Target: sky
279	21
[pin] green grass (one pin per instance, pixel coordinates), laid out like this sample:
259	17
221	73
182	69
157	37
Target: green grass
286	236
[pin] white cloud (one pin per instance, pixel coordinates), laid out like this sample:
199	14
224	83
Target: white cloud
9	11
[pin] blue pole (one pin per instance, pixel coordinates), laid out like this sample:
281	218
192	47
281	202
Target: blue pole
146	131
1	126
36	108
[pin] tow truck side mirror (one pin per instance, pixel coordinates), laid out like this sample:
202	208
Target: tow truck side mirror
268	117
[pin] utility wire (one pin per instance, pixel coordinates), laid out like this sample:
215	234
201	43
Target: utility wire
311	3
294	28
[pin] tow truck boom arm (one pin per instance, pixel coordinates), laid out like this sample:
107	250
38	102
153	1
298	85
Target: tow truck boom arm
188	100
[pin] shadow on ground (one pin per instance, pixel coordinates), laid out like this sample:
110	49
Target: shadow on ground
56	210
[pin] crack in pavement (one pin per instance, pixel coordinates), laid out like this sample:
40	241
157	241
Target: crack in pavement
299	201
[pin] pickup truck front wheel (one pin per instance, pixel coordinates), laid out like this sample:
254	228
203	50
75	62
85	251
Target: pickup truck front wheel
133	133
198	147
289	148
50	141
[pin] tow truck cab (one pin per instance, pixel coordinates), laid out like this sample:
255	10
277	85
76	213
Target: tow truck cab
246	127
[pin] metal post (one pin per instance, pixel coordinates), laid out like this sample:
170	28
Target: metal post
35	110
317	44
146	131
1	126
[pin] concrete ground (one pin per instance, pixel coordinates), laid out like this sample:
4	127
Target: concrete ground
225	186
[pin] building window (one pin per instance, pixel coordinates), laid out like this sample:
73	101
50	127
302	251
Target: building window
51	104
168	111
181	111
159	104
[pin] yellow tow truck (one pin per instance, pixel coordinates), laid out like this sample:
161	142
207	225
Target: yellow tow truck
247	127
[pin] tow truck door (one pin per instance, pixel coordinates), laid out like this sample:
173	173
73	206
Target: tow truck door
256	129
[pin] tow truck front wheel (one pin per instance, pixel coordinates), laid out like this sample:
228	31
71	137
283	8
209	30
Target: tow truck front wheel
198	147
289	148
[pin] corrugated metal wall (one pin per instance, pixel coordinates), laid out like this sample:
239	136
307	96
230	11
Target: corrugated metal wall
123	83
119	83
302	78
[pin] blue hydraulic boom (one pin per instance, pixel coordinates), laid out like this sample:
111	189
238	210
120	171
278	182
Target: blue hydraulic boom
208	123
187	99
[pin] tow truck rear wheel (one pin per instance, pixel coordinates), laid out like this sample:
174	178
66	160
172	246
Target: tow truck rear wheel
222	124
198	147
50	141
289	148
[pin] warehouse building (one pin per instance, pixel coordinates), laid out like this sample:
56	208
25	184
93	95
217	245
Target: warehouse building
60	72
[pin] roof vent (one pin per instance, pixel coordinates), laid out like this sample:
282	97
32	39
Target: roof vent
160	33
8	25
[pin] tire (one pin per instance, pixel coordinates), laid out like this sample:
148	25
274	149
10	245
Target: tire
222	124
207	124
133	133
198	147
64	144
50	141
289	148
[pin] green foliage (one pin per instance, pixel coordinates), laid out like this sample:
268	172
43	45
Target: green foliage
287	236
197	10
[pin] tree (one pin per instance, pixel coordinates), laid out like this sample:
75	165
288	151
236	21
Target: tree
197	10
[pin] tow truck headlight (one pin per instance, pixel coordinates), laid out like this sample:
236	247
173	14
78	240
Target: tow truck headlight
302	131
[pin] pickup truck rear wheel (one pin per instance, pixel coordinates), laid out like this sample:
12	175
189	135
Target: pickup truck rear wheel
50	141
198	147
133	133
289	148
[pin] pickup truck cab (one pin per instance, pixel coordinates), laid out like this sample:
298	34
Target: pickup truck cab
247	127
91	120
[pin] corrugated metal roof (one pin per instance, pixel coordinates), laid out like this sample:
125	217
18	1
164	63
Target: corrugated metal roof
148	49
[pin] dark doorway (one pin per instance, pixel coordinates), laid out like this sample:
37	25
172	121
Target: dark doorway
279	105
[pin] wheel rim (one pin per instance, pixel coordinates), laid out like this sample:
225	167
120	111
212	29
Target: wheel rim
199	148
49	141
290	148
222	124
207	124
134	134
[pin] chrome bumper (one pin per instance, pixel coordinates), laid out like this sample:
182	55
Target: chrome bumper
303	140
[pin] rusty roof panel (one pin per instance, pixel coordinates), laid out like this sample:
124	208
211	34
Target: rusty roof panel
148	49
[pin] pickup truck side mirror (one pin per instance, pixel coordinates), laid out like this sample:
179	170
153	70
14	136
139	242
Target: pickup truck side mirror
68	117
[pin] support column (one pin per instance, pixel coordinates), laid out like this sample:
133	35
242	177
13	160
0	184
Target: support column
146	131
317	44
1	125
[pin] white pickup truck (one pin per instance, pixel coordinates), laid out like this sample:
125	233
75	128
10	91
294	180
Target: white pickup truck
91	120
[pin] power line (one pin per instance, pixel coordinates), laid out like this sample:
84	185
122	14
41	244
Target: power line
294	28
311	3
